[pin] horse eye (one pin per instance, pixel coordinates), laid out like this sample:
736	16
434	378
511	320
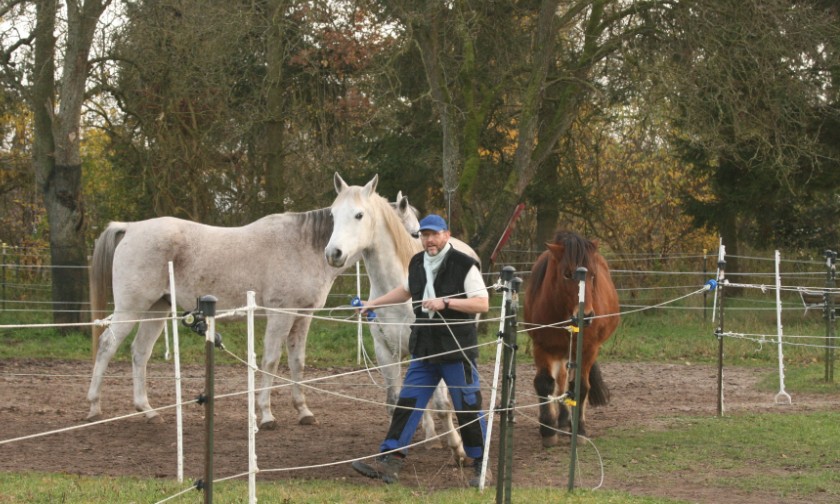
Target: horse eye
415	234
359	216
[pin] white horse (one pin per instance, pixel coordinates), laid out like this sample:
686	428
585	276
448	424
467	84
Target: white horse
363	224
279	257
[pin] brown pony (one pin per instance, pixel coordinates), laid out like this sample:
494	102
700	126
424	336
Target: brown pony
552	298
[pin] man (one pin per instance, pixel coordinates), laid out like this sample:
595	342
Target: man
447	291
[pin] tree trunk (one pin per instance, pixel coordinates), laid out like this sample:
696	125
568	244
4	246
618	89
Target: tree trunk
427	38
546	203
272	142
56	157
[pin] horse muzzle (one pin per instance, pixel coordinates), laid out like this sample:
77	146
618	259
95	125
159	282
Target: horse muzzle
335	257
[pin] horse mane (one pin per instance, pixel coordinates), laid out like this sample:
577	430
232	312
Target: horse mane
577	251
319	225
405	246
537	275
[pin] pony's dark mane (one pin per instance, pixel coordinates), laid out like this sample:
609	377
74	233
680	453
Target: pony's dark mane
576	249
576	252
537	276
319	225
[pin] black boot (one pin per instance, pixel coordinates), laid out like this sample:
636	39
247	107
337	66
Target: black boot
385	467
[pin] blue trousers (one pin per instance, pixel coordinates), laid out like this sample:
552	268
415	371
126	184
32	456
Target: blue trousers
421	379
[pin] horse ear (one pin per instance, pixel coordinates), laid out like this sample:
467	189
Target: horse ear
339	183
556	249
402	202
596	243
370	187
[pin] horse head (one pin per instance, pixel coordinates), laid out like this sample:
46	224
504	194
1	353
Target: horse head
409	216
570	251
353	221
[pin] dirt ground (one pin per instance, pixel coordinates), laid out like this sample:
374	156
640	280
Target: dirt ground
41	396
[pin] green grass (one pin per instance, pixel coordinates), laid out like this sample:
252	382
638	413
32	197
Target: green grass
68	489
779	455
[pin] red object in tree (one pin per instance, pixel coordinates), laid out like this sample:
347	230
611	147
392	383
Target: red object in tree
508	230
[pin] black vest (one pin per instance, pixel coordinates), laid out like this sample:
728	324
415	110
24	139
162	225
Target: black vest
429	336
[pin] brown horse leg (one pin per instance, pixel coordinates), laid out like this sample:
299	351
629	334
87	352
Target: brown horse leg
565	422
593	391
599	394
566	412
545	385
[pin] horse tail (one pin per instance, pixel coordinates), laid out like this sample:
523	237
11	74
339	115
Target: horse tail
599	394
101	274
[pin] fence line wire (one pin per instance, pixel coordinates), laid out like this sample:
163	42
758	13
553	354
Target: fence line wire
758	338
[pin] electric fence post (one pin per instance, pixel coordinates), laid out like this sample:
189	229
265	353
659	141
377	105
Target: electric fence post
4	277
504	473
705	292
580	276
721	280
504	281
829	313
203	322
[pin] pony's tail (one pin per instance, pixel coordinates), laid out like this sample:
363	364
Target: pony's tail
599	394
101	274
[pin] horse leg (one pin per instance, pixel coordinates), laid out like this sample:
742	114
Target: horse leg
593	390
277	330
582	401
389	343
599	393
141	351
545	385
429	429
297	363
443	405
388	356
109	342
565	421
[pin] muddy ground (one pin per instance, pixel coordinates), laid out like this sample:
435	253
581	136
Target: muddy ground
41	396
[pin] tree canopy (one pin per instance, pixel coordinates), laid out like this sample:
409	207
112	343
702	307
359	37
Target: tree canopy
651	125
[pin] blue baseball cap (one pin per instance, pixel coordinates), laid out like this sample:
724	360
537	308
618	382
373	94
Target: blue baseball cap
433	222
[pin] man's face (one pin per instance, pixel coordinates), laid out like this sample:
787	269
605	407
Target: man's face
433	241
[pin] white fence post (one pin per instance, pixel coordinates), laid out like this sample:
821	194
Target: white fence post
507	276
179	422
359	339
252	413
782	392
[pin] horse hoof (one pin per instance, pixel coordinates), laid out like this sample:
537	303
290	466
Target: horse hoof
155	420
270	425
434	444
94	418
308	420
549	441
460	457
